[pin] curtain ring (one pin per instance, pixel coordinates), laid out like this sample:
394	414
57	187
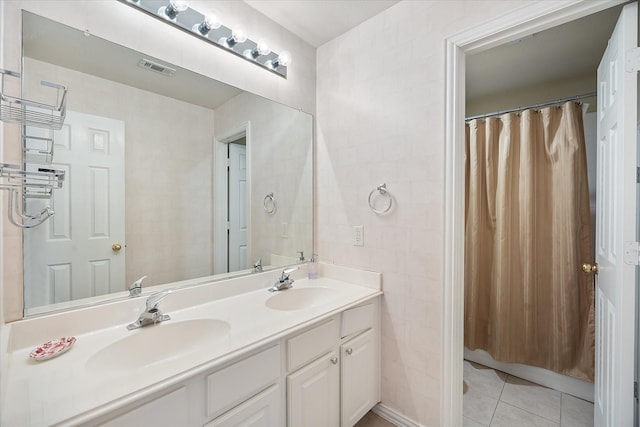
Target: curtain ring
269	204
382	189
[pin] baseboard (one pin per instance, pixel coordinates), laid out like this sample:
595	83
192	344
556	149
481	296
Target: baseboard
393	416
573	386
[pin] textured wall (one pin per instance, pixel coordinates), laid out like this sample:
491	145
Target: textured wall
281	162
380	118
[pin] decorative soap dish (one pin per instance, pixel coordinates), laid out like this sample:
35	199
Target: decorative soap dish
52	348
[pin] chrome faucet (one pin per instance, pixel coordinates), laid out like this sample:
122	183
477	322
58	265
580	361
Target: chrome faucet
257	267
285	282
152	314
136	287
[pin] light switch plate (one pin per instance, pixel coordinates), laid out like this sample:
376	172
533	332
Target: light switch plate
358	235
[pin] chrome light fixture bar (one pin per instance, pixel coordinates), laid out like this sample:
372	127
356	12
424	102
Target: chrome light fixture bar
208	28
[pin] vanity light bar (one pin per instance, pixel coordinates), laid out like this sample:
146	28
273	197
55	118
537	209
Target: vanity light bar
179	14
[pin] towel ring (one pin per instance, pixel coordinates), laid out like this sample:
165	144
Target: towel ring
269	204
382	189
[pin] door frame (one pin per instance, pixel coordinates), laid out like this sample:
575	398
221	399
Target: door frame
221	196
524	21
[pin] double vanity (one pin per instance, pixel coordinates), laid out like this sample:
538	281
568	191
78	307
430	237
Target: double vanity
231	354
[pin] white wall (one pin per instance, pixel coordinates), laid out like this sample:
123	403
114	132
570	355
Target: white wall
380	118
281	162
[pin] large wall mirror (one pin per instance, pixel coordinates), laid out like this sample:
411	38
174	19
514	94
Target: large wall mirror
169	174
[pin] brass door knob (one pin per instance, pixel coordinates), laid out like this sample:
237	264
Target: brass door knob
588	268
116	247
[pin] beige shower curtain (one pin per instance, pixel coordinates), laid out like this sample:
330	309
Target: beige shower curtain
528	232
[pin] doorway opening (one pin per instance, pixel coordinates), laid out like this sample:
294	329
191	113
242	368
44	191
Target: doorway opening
513	28
232	233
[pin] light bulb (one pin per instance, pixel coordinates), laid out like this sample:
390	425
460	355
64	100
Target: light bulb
179	5
284	59
210	22
237	36
172	10
261	49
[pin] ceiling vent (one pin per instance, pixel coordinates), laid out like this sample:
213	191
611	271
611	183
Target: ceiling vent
158	68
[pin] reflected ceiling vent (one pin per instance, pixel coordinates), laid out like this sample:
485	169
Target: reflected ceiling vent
158	68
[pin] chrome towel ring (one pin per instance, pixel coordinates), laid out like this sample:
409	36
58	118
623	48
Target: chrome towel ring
269	204
382	189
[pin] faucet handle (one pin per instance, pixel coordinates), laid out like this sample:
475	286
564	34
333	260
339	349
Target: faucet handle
136	287
301	259
257	267
286	272
155	298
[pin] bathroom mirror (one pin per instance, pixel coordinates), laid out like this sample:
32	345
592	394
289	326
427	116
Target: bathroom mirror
169	174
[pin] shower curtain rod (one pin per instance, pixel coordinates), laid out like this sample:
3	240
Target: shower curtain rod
543	104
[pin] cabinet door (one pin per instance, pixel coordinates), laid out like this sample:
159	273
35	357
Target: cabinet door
261	411
359	377
313	394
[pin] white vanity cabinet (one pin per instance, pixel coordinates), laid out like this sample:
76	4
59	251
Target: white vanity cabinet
326	375
243	393
333	375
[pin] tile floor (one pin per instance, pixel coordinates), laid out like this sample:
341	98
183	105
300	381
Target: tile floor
493	398
372	420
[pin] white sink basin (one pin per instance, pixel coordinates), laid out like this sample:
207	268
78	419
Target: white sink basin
157	344
299	298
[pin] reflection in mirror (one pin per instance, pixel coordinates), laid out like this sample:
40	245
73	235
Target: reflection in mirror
168	174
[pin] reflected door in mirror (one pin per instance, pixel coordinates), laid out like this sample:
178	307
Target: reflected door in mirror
71	256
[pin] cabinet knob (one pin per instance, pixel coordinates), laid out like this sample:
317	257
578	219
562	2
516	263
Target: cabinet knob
334	360
349	350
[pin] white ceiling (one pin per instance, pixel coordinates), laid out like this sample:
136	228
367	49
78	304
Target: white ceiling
563	52
318	21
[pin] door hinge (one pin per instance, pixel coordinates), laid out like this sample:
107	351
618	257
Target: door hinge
632	62
228	225
635	389
632	253
227	162
638	174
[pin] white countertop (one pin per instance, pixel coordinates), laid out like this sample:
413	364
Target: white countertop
64	389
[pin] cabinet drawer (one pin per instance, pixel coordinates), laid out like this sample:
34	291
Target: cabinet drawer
312	344
233	385
263	410
172	409
357	319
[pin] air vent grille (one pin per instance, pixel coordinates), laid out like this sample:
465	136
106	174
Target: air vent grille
158	68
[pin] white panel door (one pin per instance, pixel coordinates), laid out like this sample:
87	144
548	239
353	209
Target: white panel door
238	207
313	394
616	225
70	256
358	378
